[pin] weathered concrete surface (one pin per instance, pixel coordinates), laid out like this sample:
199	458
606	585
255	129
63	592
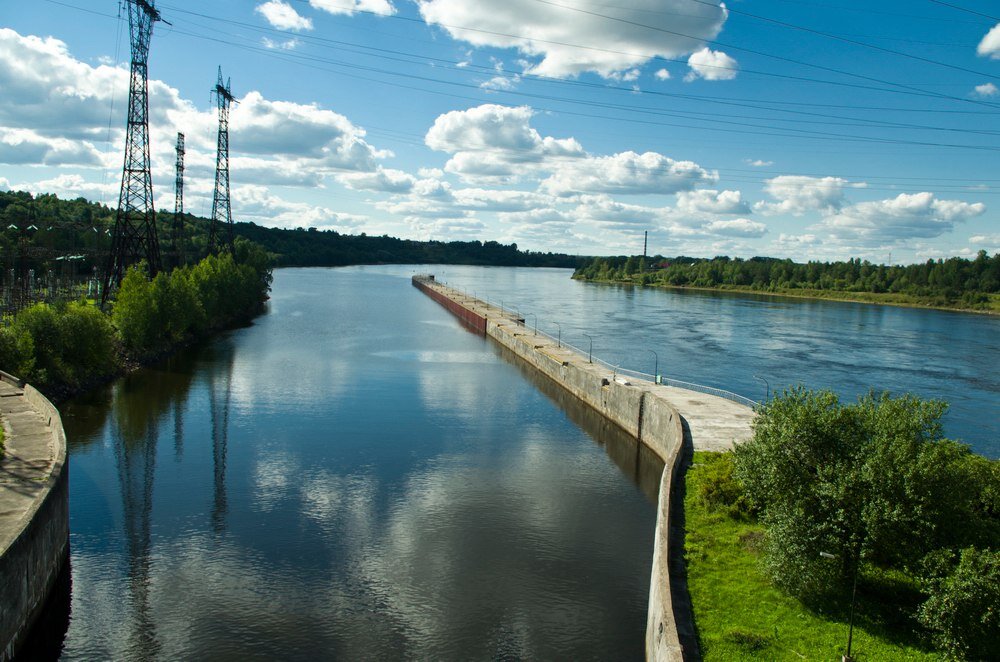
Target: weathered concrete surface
661	417
34	508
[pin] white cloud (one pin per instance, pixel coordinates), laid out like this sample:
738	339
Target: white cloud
711	65
627	173
385	180
711	201
288	45
758	163
71	186
738	227
264	127
349	7
797	194
990	45
662	74
26	147
579	37
907	216
986	90
495	142
283	16
985	239
258	204
607	211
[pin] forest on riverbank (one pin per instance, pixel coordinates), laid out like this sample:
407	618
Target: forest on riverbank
945	283
66	347
48	232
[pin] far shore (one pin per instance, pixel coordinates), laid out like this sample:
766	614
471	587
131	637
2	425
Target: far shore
876	298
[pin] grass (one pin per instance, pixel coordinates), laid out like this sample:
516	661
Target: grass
739	615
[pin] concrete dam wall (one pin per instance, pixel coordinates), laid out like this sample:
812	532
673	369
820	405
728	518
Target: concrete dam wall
643	410
34	509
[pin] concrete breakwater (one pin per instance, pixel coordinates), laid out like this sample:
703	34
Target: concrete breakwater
654	415
34	508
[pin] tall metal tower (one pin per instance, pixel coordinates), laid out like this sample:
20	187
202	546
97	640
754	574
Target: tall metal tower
134	236
221	211
178	226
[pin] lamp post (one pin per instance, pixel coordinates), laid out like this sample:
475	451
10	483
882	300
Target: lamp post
656	366
590	352
767	396
535	322
854	594
559	341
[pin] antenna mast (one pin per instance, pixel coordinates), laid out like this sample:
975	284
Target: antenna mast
134	237
221	210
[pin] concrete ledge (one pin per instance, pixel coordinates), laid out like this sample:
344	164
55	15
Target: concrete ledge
34	522
644	411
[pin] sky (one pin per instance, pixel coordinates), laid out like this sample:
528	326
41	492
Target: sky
812	130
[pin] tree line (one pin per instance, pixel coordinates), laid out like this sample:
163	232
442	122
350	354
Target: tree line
41	232
950	282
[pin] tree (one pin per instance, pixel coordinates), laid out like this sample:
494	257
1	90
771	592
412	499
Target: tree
873	482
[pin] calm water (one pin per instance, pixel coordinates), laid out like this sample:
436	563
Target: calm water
724	339
355	476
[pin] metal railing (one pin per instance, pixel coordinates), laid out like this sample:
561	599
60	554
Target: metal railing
616	369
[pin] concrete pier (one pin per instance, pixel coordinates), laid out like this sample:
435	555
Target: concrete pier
34	508
663	418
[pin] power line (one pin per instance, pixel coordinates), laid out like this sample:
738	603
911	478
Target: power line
966	10
847	40
770	55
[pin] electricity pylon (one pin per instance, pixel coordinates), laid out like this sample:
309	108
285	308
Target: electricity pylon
178	226
134	236
221	210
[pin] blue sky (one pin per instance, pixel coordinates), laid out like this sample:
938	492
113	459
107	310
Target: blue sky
810	130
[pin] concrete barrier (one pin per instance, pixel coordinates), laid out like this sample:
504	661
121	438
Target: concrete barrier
34	533
635	408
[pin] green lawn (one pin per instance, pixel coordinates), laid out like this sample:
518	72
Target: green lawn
740	616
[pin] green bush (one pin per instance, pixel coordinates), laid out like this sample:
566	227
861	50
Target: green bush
87	342
17	351
719	487
963	610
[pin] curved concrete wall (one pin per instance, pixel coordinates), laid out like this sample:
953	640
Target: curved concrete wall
33	550
634	408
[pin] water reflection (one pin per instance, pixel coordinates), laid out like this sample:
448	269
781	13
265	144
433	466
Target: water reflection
353	480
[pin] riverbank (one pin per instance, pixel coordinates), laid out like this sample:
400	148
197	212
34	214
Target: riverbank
877	298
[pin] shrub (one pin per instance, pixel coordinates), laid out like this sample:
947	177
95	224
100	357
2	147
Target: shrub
963	610
719	487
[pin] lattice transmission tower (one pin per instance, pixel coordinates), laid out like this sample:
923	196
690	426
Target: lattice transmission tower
178	226
134	236
221	211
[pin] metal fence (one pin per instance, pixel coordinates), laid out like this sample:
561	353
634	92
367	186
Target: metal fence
616	369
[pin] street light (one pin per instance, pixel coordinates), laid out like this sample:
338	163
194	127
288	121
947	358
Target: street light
854	594
656	366
559	341
536	321
768	392
590	352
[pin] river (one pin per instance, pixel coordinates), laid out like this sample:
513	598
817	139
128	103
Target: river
725	339
355	475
